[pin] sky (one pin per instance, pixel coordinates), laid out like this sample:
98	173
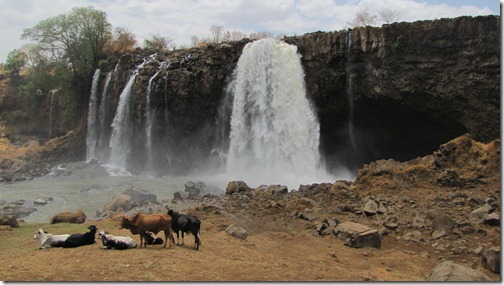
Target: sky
180	20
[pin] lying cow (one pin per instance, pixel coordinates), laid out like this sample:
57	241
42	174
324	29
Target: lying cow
76	240
116	242
140	223
150	238
49	240
186	224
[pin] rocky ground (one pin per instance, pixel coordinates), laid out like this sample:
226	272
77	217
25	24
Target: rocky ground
431	218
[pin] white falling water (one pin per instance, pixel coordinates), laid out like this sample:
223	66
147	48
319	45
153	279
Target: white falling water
51	107
149	114
120	140
91	137
349	93
102	113
274	137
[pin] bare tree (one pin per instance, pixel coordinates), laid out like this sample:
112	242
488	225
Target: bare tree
237	35
216	33
363	18
389	15
195	40
260	35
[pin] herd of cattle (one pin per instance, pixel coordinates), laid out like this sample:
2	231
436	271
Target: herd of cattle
145	225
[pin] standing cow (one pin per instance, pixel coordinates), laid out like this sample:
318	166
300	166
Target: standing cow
186	224
140	223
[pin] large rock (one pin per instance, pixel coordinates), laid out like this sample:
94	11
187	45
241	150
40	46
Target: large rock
449	271
139	196
492	259
237	187
19	211
68	217
237	232
442	226
358	235
479	214
120	203
9	220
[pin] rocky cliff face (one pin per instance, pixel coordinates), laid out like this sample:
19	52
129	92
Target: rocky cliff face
398	92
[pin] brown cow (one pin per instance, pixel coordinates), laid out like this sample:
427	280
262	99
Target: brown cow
141	223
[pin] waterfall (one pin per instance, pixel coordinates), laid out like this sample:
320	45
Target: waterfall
274	136
51	112
121	138
102	114
91	137
349	94
149	118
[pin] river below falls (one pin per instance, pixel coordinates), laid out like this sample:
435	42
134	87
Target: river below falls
80	189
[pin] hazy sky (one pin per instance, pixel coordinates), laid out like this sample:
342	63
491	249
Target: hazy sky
179	20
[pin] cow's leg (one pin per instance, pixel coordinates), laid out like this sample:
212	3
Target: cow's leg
196	240
178	239
141	241
182	237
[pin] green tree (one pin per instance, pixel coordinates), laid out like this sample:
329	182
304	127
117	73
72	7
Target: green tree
77	38
16	60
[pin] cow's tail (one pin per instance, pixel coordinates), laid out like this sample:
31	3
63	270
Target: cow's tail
199	237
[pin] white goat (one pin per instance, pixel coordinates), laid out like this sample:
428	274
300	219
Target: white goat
49	240
117	242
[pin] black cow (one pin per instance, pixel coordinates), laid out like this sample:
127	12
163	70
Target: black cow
186	224
76	240
150	238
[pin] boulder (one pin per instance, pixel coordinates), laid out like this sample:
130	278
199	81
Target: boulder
9	220
358	235
480	213
450	271
492	219
442	226
236	187
491	259
370	208
19	211
68	217
139	197
120	203
237	232
42	200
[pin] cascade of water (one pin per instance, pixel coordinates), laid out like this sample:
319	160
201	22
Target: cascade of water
91	136
349	93
149	118
102	114
52	92
274	134
120	140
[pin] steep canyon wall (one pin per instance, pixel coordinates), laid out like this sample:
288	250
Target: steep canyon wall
398	91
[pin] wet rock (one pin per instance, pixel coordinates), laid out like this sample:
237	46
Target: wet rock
358	235
94	188
237	232
19	211
491	259
9	220
277	190
68	217
450	271
42	200
180	195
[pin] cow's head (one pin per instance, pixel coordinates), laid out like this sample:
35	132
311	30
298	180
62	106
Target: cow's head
92	228
125	223
38	233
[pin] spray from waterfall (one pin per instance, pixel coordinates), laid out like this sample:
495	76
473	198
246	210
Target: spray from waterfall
274	136
91	137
